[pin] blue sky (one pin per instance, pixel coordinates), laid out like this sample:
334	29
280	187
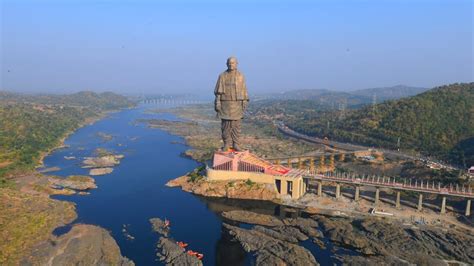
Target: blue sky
181	46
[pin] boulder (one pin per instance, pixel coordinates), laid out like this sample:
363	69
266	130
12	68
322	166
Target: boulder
82	245
252	218
271	251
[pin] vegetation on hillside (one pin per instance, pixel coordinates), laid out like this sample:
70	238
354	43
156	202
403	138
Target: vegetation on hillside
439	122
31	125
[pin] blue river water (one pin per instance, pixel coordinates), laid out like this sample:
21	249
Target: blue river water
135	192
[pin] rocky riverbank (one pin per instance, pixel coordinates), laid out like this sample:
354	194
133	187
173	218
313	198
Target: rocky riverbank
82	245
28	217
201	131
373	240
226	189
71	184
354	237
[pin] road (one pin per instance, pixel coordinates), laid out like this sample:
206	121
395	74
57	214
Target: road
352	147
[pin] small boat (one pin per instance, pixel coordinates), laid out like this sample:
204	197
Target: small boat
192	253
182	244
196	254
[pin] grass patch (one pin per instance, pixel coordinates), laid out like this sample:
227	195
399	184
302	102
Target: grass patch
6	183
26	220
80	178
230	184
250	183
197	174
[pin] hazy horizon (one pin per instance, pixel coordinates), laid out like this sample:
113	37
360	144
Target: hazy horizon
154	47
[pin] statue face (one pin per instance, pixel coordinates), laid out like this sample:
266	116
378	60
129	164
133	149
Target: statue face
232	64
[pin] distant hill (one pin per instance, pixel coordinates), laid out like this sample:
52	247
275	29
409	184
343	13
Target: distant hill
439	122
389	93
347	99
99	101
319	95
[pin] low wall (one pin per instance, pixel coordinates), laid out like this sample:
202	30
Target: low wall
299	188
222	175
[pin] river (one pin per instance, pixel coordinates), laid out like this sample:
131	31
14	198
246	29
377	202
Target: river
135	191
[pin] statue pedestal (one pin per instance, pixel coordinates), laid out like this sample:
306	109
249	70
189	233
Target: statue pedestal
244	165
245	161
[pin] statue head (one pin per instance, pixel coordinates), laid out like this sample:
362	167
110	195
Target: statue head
232	63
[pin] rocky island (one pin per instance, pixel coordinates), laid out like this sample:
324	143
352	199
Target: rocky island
102	164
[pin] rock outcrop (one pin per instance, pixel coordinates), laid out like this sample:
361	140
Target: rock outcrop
82	245
159	226
169	251
101	171
102	161
389	241
172	254
252	218
74	182
377	241
275	241
102	165
227	189
270	250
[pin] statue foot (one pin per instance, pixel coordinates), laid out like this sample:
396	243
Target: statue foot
237	148
225	148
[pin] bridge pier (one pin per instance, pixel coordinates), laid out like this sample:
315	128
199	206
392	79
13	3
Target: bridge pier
443	205
397	202
320	188
420	202
300	163
338	190
468	208
377	196
357	193
311	164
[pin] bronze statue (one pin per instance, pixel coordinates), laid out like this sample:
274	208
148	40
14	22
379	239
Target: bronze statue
231	101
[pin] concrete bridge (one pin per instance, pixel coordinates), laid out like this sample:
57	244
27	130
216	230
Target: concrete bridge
453	190
168	101
294	182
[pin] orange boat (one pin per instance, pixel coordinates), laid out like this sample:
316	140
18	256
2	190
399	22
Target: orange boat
182	244
194	253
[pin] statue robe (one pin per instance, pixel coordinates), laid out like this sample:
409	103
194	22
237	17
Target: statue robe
231	95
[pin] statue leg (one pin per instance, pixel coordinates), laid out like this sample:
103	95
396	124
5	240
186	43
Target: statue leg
236	126
226	127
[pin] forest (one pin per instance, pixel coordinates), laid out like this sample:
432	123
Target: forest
31	125
438	122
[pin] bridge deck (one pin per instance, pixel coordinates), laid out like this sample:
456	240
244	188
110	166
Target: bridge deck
387	182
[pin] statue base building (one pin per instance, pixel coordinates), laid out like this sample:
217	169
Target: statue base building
232	165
